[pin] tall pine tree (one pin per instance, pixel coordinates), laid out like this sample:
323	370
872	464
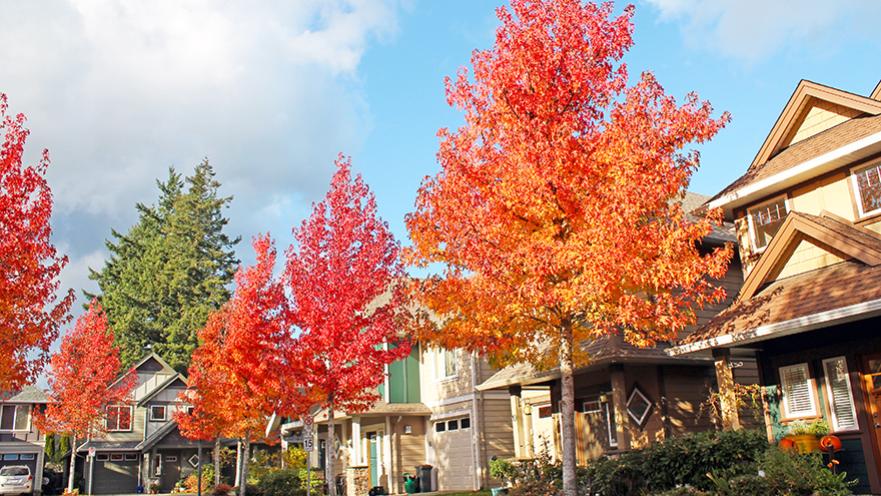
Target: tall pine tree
170	270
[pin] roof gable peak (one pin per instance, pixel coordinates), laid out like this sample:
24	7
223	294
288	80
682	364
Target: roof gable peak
827	231
876	93
806	96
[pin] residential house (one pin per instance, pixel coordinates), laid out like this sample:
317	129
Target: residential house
20	441
142	444
626	397
808	214
430	413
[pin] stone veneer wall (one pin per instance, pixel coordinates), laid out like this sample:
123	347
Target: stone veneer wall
357	481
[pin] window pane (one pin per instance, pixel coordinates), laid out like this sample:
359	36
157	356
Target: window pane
465	423
766	221
611	425
7	420
840	399
453	425
440	426
22	417
544	411
450	363
157	413
798	395
869	185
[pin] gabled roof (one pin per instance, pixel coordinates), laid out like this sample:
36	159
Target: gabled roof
830	232
876	93
798	103
837	293
152	357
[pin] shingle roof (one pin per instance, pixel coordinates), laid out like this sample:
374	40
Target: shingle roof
27	394
833	287
814	146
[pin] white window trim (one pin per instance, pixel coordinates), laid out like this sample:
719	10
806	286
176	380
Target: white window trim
164	413
613	434
856	189
812	392
749	220
14	407
648	410
441	364
831	400
130	416
598	409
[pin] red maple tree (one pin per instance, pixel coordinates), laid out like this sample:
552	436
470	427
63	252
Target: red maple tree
556	213
238	369
341	273
30	311
84	379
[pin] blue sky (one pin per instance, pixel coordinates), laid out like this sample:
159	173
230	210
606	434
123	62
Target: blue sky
270	92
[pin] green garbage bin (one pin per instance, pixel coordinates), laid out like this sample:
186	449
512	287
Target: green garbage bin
411	484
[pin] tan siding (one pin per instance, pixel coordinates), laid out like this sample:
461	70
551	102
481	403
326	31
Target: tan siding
807	257
499	430
137	432
822	116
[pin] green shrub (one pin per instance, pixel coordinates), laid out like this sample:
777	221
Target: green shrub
677	462
281	483
800	427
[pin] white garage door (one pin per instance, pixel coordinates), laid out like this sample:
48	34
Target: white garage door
453	453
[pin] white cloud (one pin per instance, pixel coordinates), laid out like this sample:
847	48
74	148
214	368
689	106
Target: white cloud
752	30
119	91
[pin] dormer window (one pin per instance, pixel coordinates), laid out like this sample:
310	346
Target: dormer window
764	222
867	187
158	413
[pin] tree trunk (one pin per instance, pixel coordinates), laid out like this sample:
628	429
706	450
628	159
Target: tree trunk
238	463
567	412
246	454
331	454
217	461
72	463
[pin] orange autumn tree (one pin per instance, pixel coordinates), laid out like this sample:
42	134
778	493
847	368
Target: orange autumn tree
237	372
556	213
30	311
84	379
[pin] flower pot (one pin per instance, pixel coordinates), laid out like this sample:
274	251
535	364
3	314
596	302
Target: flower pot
497	491
805	443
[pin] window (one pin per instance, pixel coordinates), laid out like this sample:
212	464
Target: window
131	457
591	406
157	465
798	391
193	461
844	417
440	426
27	456
10	457
465	423
447	363
453	425
15	418
157	413
638	406
102	457
170	459
119	418
15	471
867	187
611	425
544	411
765	220
117	457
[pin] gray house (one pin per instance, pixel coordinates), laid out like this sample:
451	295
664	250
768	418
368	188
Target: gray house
142	444
20	442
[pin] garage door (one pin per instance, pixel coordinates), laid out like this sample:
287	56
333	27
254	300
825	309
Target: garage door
453	454
115	473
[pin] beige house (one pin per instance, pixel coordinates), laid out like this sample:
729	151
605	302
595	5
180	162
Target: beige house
808	216
21	443
431	413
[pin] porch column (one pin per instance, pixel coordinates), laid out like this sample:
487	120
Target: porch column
356	441
619	405
528	448
517	419
725	382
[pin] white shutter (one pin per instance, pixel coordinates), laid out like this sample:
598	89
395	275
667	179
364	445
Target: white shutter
844	417
798	391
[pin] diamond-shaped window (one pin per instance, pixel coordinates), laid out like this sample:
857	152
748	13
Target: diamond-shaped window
194	461
638	406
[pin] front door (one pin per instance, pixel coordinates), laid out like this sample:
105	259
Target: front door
373	457
170	470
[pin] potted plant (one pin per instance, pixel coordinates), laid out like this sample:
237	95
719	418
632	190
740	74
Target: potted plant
806	435
154	487
503	470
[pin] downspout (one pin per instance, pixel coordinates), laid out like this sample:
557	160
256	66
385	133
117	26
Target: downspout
478	441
